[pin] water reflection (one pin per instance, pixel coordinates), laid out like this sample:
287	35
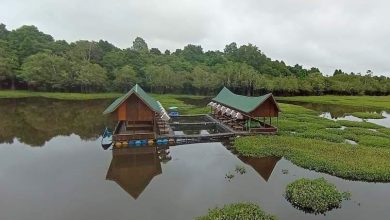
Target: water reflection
34	121
263	166
133	168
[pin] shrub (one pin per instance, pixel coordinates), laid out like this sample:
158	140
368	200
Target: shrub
237	211
316	196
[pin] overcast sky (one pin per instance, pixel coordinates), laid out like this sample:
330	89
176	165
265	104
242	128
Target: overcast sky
353	35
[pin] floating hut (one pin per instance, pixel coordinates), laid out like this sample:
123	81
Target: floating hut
140	117
245	113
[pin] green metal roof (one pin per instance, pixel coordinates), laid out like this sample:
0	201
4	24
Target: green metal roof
137	90
242	103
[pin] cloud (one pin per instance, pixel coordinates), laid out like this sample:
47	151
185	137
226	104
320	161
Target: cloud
351	34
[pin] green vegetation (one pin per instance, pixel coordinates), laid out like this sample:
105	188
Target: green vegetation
317	196
359	101
367	115
358	124
184	108
318	144
57	95
31	59
339	159
242	211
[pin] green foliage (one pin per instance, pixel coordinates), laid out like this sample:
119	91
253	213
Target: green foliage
317	196
244	69
125	78
339	159
381	102
8	61
242	211
367	115
140	45
347	123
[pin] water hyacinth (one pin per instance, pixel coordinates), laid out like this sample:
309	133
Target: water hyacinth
314	196
237	211
367	115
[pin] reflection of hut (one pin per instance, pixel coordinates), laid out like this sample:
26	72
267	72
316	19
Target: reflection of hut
263	166
134	168
244	112
137	114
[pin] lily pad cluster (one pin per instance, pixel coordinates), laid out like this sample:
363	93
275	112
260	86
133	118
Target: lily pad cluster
241	211
314	195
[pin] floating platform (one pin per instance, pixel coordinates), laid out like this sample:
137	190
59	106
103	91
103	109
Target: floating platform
181	130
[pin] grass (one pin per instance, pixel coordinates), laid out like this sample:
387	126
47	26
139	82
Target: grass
366	101
358	124
338	159
241	211
367	115
314	196
168	100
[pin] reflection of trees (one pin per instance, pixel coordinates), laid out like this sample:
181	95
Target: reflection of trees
36	120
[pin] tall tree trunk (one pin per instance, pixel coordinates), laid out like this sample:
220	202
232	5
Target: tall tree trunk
13	83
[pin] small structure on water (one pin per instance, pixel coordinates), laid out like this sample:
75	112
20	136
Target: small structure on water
143	121
140	117
245	113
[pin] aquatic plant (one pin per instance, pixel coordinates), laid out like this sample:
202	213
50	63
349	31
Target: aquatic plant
366	115
237	211
240	169
339	159
229	176
367	101
315	196
363	124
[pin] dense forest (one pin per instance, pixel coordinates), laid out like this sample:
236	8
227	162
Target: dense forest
31	59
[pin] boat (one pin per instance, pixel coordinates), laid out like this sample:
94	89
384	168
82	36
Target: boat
106	139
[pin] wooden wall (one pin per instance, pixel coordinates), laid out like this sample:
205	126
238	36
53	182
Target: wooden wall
267	109
134	109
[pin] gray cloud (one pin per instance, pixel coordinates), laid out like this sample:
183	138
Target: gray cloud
351	34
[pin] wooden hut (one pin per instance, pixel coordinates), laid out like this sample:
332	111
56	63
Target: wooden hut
246	112
137	114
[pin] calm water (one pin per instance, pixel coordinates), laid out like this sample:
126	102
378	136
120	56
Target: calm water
339	112
71	177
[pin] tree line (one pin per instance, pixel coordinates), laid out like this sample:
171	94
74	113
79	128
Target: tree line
31	59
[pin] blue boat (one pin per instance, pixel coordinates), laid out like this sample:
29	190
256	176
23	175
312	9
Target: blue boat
106	139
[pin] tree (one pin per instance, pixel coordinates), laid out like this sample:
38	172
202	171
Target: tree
91	77
193	53
125	78
85	51
8	63
3	32
155	51
140	45
28	40
45	71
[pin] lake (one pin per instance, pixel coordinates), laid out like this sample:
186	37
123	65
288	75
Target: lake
53	167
